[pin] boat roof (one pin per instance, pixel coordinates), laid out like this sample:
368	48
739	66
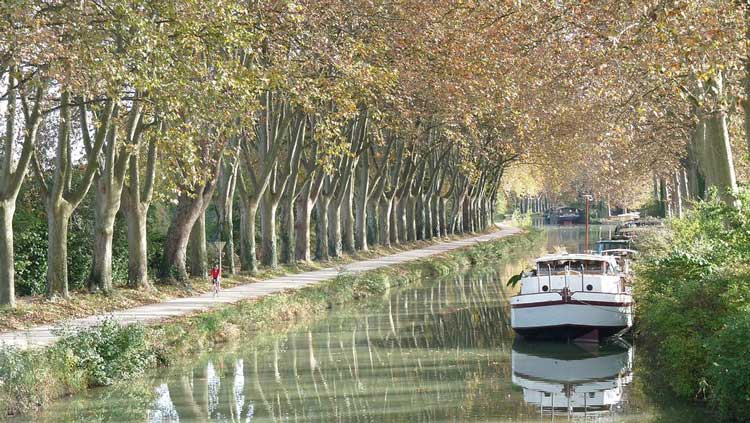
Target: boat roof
620	250
574	257
613	241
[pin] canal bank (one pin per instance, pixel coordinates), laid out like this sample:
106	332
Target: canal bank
693	307
108	352
437	349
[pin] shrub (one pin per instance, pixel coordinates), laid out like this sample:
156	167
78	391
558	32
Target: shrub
22	380
693	294
729	370
108	352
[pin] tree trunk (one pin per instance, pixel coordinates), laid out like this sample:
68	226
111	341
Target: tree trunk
721	164
419	217
400	216
136	218
411	218
105	211
175	245
227	235
287	233
7	270
361	195
269	252
58	217
197	248
321	232
335	245
384	221
466	215
347	220
695	188
435	217
371	221
248	256
302	227
442	212
677	192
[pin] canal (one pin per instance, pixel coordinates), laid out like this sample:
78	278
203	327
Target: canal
441	351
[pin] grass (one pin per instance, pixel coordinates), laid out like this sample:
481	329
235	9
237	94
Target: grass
107	354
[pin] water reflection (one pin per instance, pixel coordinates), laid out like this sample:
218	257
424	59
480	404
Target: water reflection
442	351
574	380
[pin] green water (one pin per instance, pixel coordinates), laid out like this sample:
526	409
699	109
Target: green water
442	351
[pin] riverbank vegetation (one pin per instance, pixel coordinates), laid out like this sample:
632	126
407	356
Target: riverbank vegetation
112	353
693	306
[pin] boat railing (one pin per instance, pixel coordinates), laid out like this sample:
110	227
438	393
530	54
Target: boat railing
583	271
549	276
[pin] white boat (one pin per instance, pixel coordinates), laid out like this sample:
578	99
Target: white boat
574	297
561	379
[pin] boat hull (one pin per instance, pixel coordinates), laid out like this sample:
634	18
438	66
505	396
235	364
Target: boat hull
582	316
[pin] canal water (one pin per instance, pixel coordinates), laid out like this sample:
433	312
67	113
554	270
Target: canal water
442	351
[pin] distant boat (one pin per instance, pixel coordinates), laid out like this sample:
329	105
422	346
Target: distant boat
573	296
631	230
564	216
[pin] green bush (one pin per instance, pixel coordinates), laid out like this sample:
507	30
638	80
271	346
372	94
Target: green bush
22	380
31	258
729	371
693	293
108	352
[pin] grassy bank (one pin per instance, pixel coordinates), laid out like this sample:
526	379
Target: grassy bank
37	310
111	353
693	308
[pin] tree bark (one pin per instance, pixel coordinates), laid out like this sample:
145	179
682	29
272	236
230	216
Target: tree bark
287	233
248	256
321	233
721	163
361	194
400	215
335	244
136	219
198	255
269	252
58	218
105	212
371	222
302	227
394	223
347	219
7	269
384	221
443	218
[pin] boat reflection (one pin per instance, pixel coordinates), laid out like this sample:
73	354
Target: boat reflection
578	381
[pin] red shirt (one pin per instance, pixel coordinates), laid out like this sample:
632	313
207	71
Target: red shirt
215	272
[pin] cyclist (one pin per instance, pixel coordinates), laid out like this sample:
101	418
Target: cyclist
216	276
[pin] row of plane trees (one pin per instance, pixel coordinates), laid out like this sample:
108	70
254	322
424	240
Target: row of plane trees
323	135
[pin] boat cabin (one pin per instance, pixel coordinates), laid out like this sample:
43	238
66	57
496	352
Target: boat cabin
612	244
624	257
576	272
